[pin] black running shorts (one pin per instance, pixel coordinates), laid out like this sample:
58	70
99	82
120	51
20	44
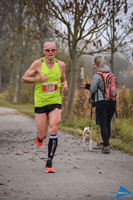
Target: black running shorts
47	109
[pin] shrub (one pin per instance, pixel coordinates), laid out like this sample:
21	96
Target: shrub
124	102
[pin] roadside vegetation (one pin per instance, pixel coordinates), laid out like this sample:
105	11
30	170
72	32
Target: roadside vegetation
122	139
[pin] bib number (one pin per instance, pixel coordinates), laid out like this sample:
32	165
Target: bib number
49	87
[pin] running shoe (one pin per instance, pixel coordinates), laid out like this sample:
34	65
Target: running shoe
100	144
38	143
106	150
49	168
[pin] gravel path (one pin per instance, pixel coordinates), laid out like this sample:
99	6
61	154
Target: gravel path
80	175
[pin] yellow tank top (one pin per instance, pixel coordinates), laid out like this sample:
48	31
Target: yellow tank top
48	92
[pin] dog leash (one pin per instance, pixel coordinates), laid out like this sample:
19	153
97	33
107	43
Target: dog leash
91	115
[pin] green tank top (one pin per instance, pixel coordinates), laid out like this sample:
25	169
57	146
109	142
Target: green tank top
48	92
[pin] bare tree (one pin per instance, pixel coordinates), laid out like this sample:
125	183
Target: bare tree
4	39
116	34
32	28
38	12
26	26
83	23
118	31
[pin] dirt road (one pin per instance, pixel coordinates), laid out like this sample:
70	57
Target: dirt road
80	175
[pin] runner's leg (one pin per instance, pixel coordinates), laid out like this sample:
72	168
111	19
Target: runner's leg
54	120
42	125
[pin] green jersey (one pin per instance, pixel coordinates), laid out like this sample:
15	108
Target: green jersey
48	92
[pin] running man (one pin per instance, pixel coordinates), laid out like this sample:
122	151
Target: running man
48	74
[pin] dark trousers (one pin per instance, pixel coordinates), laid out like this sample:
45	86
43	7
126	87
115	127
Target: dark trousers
105	111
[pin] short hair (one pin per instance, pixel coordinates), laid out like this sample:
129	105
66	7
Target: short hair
49	42
100	61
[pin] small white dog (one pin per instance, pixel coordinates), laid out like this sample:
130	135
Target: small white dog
87	138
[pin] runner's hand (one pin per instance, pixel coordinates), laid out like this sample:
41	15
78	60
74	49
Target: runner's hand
83	85
64	87
42	78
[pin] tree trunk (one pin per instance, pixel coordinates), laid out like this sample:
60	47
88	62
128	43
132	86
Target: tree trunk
68	112
18	84
112	63
0	80
112	60
113	125
10	87
113	39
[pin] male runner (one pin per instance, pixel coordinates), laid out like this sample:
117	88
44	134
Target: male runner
48	74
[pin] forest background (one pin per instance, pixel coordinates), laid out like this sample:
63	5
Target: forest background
82	30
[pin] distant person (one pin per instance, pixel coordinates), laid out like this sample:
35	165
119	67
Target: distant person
48	74
105	107
87	86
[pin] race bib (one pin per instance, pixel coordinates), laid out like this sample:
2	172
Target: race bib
49	87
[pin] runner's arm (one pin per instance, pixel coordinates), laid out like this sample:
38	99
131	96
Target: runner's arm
63	78
30	76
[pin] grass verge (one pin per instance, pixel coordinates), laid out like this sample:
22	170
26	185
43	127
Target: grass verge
123	139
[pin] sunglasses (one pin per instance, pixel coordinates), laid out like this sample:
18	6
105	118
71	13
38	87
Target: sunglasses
50	50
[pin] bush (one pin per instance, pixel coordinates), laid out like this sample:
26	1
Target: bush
27	93
124	102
